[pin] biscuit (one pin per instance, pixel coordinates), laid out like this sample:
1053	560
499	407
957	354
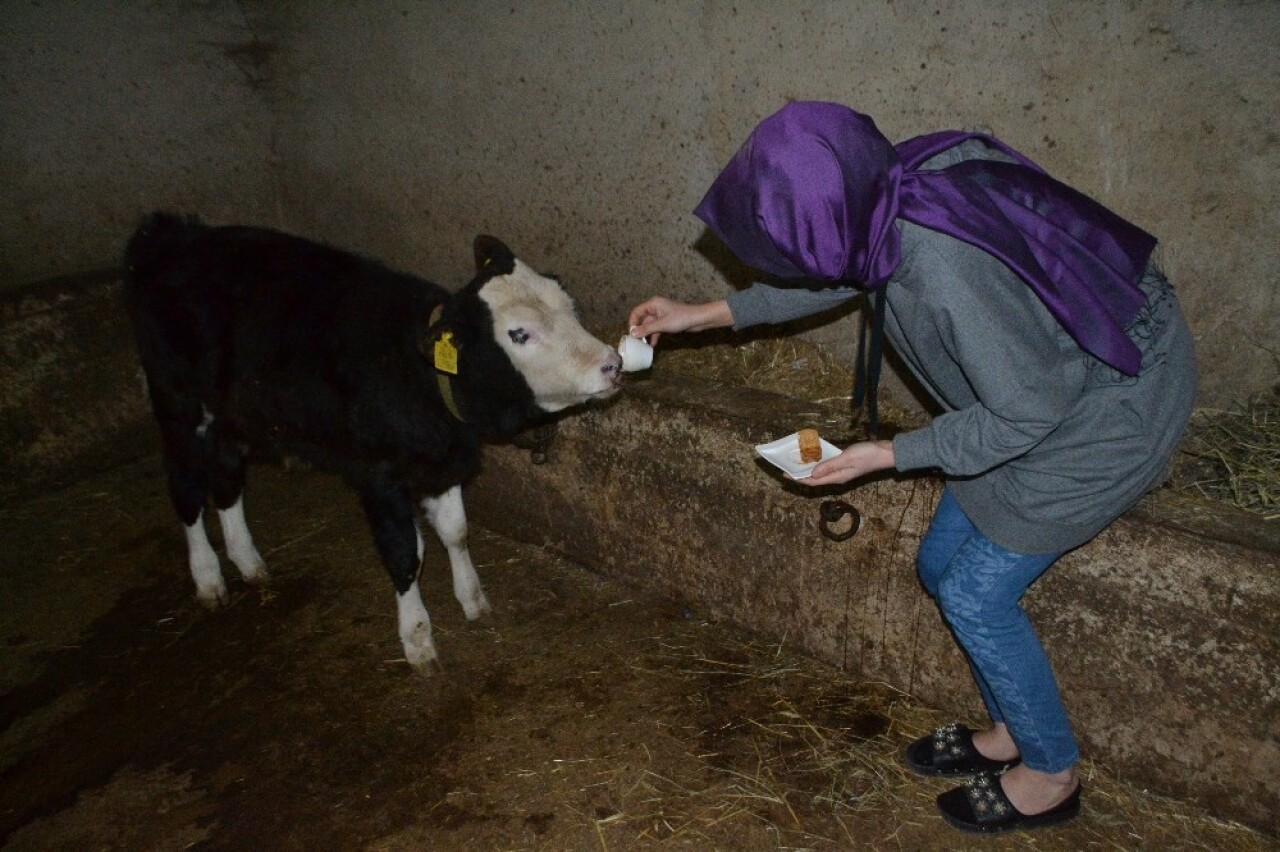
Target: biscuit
810	449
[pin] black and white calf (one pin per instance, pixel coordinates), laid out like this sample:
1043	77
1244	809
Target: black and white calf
256	341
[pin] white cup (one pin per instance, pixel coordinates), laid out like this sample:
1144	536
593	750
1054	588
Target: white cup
636	353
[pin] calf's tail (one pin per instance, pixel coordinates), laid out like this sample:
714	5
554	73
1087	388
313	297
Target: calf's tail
155	248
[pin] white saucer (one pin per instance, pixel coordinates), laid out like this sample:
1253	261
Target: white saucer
784	453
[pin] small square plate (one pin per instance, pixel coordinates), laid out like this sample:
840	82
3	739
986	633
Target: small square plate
784	453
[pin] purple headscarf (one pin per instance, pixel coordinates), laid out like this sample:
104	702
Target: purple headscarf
815	190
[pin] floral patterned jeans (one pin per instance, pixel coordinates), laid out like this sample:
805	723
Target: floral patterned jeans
978	586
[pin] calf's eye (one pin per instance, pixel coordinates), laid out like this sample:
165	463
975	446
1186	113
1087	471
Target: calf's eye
518	335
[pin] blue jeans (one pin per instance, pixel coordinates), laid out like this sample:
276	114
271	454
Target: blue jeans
978	585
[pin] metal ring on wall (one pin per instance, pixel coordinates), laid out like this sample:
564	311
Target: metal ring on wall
831	512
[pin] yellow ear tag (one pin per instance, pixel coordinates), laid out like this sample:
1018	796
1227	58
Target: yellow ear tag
446	354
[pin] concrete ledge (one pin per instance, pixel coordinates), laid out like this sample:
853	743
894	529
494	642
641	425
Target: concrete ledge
72	400
1166	642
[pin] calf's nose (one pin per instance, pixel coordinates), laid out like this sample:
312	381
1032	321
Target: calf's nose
613	366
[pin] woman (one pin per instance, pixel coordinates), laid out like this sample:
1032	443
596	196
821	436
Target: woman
1056	351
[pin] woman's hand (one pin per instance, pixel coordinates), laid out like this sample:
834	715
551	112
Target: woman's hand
854	461
660	314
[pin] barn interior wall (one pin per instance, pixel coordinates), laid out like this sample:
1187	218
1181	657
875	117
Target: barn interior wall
584	133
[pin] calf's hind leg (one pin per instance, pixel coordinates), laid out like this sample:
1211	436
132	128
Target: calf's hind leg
390	514
184	430
211	589
449	519
228	497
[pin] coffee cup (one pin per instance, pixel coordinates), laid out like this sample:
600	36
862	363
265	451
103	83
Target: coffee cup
636	353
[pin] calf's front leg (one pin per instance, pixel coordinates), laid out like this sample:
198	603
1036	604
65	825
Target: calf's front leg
391	519
449	519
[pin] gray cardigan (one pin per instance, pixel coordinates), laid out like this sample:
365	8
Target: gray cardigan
1043	444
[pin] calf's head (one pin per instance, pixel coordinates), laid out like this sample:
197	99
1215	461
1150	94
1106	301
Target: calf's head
521	350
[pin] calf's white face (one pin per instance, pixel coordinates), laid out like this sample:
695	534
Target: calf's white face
535	323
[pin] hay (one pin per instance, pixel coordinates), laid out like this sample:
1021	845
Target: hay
815	757
1233	456
1228	456
793	367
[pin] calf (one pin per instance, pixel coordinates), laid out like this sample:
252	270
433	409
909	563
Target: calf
256	341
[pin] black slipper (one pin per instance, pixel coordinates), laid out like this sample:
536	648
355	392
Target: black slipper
949	752
982	806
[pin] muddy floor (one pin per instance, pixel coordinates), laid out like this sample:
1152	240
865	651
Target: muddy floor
581	714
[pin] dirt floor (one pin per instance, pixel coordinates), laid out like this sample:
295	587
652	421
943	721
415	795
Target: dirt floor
580	715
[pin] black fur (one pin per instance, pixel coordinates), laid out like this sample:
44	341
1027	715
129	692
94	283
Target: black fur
301	349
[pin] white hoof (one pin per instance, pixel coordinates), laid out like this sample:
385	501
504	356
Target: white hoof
240	547
415	630
213	596
476	606
252	568
419	650
211	589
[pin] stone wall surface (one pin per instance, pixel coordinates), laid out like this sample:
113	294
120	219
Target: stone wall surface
584	133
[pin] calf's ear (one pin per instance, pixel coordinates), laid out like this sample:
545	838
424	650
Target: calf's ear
493	256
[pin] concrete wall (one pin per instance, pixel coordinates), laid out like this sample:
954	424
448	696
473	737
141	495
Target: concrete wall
108	109
584	132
